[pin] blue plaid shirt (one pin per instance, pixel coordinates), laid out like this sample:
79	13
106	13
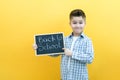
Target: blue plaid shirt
82	54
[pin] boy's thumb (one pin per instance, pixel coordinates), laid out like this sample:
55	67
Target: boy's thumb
63	48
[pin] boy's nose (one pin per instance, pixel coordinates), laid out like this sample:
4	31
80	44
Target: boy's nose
77	25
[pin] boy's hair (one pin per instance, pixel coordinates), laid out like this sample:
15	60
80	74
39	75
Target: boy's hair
77	13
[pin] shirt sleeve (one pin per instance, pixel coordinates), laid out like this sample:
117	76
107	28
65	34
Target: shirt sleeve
87	56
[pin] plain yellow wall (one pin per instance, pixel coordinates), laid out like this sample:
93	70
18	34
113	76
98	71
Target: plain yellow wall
21	19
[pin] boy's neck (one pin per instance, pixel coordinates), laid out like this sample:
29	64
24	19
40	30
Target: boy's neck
76	34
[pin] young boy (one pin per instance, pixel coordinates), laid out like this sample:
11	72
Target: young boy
78	49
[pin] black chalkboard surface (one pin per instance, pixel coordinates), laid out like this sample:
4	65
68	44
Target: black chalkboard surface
48	44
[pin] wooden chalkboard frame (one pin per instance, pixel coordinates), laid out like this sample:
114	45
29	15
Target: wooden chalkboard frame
48	53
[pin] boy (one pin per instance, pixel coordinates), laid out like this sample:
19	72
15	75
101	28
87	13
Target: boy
78	49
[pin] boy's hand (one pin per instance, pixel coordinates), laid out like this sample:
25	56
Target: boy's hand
67	52
35	46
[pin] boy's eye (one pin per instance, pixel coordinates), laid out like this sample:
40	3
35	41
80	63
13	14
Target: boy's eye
80	22
74	22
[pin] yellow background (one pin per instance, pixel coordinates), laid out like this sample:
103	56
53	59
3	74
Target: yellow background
21	19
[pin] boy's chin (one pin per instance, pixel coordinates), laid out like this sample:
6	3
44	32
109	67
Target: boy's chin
77	32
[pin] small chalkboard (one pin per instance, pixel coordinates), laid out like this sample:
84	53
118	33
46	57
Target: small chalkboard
49	44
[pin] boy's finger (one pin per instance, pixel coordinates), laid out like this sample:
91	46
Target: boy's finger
63	48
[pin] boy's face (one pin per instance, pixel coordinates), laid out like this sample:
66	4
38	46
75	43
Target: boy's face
77	24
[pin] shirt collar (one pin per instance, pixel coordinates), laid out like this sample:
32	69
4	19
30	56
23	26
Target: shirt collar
81	35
